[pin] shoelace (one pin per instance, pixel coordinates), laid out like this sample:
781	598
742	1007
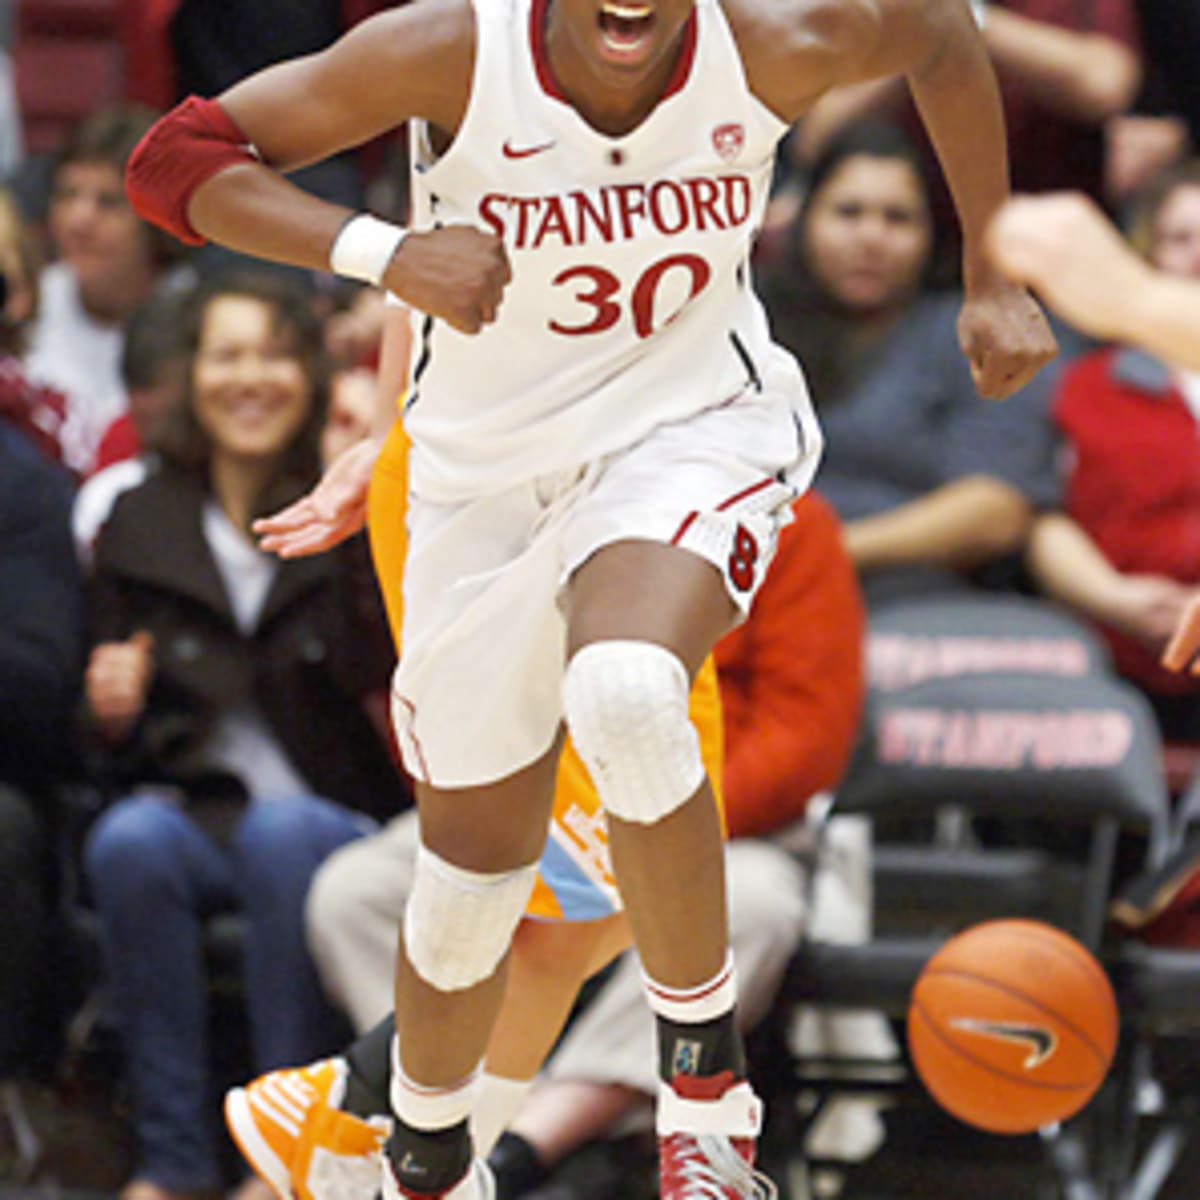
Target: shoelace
717	1168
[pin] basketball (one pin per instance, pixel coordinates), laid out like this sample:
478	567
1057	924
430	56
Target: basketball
1012	1026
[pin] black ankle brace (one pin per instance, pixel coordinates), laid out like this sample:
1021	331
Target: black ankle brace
704	1049
429	1163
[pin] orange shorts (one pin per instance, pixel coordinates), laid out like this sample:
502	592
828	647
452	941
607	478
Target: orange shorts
575	880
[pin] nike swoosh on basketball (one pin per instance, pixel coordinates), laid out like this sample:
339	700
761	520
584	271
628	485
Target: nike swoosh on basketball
1041	1042
511	151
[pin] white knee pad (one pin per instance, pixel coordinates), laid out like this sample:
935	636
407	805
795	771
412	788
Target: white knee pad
458	923
626	705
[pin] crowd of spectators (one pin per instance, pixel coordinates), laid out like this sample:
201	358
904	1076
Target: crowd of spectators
219	708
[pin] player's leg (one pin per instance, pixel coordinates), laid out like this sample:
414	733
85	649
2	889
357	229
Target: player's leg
642	618
642	615
306	1130
475	870
667	549
549	963
316	1132
354	907
605	1065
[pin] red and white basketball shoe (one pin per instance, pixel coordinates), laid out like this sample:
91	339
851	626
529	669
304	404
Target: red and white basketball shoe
707	1129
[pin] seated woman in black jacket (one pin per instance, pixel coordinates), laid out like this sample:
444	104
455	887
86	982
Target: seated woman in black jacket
223	686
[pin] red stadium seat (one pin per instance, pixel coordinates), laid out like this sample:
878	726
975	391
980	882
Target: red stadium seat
68	60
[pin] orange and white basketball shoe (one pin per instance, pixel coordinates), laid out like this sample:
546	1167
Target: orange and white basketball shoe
290	1128
707	1129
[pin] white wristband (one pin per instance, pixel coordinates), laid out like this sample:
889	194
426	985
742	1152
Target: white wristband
364	247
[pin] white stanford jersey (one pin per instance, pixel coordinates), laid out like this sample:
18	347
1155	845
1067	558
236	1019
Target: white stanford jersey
630	303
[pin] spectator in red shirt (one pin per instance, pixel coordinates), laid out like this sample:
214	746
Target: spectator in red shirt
1125	548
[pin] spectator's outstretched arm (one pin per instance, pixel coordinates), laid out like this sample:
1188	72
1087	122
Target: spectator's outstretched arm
337	507
1065	249
1089	76
959	525
1183	651
1085	75
1069	566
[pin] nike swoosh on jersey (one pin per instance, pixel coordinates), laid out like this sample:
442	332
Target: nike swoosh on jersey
1041	1041
511	151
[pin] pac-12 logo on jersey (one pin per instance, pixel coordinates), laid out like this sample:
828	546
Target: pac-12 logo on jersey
728	140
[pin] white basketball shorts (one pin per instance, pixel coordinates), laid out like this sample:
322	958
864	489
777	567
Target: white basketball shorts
476	696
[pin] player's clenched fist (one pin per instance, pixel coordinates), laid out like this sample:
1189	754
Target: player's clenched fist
456	273
1005	338
117	682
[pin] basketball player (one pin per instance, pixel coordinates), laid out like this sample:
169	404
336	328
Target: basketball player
794	704
605	443
573	924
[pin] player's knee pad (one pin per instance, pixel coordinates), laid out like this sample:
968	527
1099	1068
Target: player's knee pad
626	705
458	924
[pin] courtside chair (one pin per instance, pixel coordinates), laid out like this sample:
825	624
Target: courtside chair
1158	988
1000	764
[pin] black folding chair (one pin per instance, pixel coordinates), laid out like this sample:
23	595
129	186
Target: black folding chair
1158	988
1000	763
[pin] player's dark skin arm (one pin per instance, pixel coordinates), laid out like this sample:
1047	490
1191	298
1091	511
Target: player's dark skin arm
796	50
417	61
410	62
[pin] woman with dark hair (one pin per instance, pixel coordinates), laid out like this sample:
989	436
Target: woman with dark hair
224	687
1124	550
932	483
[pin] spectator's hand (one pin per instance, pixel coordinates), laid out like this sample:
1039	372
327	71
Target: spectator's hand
1147	607
333	511
1005	337
1183	651
1138	149
1065	249
117	682
456	273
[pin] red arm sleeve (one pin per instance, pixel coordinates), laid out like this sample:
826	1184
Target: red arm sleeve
792	677
182	150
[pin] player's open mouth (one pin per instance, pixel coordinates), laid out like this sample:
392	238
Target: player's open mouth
625	27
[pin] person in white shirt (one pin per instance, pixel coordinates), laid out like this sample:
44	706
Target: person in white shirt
109	261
